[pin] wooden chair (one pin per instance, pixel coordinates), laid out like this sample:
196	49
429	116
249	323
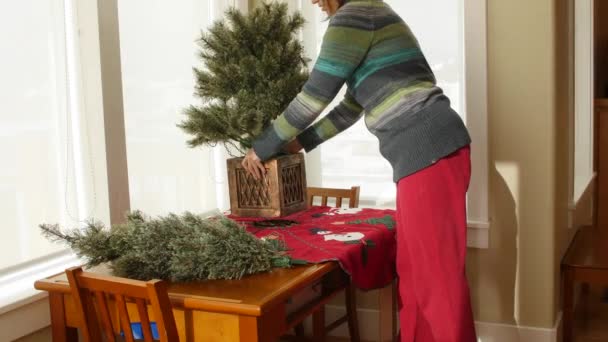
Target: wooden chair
93	292
319	328
351	194
585	262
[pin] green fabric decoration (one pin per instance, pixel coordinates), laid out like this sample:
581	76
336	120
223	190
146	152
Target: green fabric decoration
386	220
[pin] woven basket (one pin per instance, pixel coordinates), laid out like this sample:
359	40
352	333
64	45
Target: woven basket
281	192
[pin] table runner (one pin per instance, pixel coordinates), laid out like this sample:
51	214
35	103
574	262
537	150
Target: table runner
362	240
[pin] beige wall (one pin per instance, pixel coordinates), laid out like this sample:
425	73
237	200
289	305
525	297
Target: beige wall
512	281
564	137
516	280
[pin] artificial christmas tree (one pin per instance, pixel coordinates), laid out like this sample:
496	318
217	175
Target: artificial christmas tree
253	66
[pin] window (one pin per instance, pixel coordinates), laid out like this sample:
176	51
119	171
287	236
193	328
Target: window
49	171
158	50
43	176
452	36
54	109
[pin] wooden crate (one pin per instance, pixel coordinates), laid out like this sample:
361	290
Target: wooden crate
280	193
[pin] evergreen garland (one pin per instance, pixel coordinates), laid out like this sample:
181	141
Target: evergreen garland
253	66
179	248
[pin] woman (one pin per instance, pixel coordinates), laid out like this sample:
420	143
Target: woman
369	47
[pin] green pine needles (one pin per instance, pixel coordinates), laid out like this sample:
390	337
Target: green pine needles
179	248
253	66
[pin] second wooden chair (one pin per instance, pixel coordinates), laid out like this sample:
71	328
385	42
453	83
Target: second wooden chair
97	296
339	195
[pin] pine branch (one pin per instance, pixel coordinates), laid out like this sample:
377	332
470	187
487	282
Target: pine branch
176	247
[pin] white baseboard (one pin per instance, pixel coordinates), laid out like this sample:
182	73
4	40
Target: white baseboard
496	332
486	331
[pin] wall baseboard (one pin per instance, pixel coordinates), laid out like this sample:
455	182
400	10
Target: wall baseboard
497	332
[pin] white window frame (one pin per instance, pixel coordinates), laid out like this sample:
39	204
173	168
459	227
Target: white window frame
476	104
581	149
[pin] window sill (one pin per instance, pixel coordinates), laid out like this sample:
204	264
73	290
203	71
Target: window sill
17	287
23	309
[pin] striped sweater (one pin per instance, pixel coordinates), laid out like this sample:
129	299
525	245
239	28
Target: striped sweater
368	47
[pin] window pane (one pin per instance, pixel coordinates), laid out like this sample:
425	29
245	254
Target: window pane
32	128
438	25
158	51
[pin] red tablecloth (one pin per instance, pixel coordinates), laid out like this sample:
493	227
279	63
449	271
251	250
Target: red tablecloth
362	240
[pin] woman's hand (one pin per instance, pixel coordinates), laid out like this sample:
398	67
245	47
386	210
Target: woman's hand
253	165
292	147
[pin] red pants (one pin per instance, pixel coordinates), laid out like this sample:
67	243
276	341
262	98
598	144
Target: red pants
431	248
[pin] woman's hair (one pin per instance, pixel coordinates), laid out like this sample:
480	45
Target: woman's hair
340	4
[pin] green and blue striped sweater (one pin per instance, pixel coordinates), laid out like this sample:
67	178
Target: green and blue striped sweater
369	47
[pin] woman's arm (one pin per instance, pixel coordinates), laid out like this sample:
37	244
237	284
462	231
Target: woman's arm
345	45
339	119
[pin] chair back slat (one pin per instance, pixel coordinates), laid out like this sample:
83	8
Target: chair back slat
142	309
354	197
351	194
123	316
106	320
161	306
79	297
92	292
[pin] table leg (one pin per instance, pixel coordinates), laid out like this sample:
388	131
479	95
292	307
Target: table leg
248	329
351	309
318	324
568	302
60	331
388	310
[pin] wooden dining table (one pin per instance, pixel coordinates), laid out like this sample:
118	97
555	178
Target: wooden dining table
257	308
265	306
